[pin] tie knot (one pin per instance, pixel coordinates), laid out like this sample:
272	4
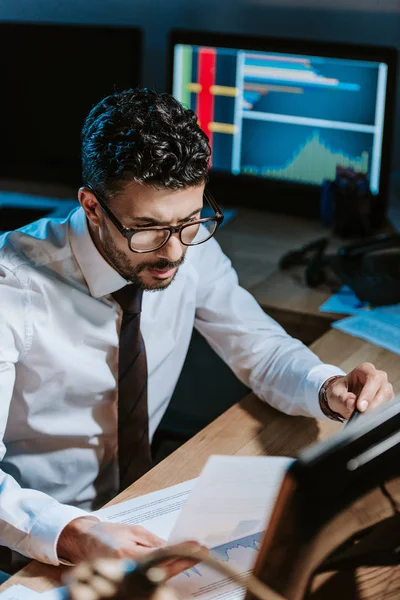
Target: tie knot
129	298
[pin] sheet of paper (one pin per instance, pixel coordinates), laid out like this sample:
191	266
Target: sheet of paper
345	302
228	511
380	326
157	511
202	583
232	499
18	592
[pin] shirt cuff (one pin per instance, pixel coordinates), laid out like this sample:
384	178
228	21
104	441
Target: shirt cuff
47	529
313	383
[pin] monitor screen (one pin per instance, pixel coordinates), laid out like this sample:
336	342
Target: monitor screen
52	75
277	115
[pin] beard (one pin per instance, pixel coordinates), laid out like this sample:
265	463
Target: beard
121	263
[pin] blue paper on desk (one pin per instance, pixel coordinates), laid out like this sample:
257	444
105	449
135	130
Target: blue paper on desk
380	326
345	302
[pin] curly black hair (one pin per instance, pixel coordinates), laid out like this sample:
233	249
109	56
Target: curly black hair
143	136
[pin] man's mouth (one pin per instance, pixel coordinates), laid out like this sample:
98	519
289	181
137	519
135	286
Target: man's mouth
163	273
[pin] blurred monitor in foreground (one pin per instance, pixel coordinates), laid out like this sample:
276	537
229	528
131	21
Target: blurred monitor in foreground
337	507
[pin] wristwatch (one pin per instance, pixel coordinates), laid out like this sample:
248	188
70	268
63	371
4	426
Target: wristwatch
323	401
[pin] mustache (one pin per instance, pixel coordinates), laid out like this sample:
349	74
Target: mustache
161	265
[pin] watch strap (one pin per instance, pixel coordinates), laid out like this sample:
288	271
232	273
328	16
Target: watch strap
323	401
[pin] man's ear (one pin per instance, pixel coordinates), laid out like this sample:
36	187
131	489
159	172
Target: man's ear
90	205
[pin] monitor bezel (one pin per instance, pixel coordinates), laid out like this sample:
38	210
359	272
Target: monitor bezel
52	177
294	198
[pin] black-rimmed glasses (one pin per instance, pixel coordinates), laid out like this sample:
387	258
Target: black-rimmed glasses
149	239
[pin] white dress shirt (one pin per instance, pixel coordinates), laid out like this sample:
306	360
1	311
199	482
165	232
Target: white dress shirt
58	368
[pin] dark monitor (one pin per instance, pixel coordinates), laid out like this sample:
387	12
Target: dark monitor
281	114
52	75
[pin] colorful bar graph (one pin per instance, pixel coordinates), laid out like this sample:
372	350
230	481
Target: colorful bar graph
186	75
207	58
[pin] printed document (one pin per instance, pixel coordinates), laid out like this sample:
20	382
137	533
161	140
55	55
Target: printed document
156	512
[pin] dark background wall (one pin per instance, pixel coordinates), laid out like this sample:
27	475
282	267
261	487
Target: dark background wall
365	21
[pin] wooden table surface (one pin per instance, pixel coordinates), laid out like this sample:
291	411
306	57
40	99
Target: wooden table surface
253	428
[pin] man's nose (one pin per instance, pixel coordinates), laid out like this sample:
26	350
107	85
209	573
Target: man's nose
172	250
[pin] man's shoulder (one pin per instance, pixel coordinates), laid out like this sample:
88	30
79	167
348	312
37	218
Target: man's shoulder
39	244
206	258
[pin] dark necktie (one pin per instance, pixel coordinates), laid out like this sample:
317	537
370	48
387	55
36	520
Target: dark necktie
134	455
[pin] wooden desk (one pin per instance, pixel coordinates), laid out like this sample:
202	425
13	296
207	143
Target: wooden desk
253	428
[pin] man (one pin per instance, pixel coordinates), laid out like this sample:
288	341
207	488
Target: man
75	375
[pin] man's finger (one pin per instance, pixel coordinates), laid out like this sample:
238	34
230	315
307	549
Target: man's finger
345	403
174	566
368	392
385	394
138	553
190	547
145	538
178	566
366	368
340	399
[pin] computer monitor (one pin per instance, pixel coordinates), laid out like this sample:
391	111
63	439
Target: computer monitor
52	75
281	115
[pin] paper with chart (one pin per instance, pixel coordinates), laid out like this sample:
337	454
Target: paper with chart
228	512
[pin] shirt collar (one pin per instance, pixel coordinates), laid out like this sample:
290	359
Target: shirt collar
100	276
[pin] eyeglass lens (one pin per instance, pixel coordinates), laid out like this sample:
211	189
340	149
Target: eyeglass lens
190	235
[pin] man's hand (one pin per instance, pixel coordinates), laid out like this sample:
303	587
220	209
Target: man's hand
364	387
86	539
